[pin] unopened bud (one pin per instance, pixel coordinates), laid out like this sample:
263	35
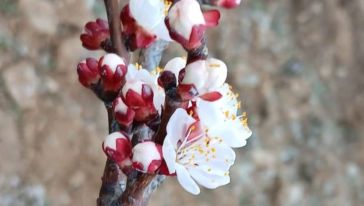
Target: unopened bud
139	97
88	72
95	33
123	114
112	70
147	157
117	147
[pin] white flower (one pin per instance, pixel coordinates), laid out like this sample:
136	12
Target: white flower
150	15
223	113
194	156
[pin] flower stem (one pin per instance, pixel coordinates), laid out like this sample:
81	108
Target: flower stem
113	12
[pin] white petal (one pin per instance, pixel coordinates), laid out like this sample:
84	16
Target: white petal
145	153
162	32
184	15
159	97
229	101
186	181
110	140
216	155
175	65
132	72
209	113
178	125
209	180
169	155
132	85
196	74
112	60
217	73
230	134
148	13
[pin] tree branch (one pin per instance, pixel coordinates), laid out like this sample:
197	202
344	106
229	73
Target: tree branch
113	180
113	12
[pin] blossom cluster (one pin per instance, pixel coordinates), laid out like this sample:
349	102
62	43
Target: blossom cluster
200	134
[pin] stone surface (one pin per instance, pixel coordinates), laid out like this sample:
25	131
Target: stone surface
22	83
296	64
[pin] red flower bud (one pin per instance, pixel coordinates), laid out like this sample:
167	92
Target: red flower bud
112	70
95	33
134	34
147	157
88	72
187	24
124	115
117	147
139	97
228	4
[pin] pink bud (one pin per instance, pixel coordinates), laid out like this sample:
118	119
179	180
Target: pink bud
139	97
134	34
147	157
123	114
112	70
117	147
187	24
203	78
88	72
228	4
95	33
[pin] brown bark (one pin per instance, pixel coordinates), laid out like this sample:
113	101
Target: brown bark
113	12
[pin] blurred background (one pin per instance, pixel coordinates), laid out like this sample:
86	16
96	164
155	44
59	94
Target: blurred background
297	65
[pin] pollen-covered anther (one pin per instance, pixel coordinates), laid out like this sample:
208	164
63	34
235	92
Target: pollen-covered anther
112	70
88	72
123	114
117	147
96	32
147	157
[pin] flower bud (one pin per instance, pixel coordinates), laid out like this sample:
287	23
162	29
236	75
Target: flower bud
217	73
186	23
228	4
205	76
117	147
123	114
175	66
139	97
88	72
147	157
134	34
167	80
95	33
112	70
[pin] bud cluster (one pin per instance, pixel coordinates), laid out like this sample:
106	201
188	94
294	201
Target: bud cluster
182	120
